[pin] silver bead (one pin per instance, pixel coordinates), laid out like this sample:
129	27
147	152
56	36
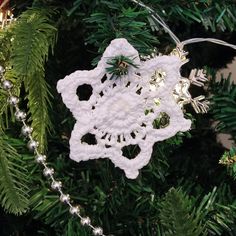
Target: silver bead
32	145
48	171
26	130
85	221
2	70
40	158
74	210
20	115
97	231
56	185
65	198
13	100
6	84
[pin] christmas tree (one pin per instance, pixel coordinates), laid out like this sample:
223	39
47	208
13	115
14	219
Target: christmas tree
188	187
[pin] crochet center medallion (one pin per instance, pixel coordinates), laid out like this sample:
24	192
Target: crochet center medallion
120	111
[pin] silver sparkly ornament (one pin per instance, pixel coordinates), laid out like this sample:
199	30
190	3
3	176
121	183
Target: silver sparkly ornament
198	77
32	145
40	158
182	95
65	198
97	231
20	115
74	210
48	171
13	100
26	130
56	185
6	84
85	221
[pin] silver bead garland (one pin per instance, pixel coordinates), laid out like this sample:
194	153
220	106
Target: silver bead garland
13	100
20	115
26	131
74	210
56	185
32	145
41	159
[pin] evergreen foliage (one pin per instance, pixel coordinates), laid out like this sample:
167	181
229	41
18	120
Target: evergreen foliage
224	106
177	215
14	181
172	195
34	35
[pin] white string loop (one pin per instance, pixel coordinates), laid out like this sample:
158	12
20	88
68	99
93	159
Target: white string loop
211	40
178	43
159	20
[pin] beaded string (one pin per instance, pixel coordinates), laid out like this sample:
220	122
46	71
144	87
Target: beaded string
41	159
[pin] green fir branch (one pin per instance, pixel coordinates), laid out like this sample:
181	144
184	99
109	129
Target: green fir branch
217	215
106	20
38	96
123	23
34	36
6	36
224	106
13	179
119	66
48	208
177	215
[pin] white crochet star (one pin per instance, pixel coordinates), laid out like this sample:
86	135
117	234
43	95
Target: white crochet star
121	111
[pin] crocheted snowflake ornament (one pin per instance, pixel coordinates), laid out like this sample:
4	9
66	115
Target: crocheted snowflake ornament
122	111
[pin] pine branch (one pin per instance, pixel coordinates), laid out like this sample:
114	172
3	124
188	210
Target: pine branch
39	103
13	179
217	215
48	208
121	22
177	215
107	20
224	106
34	36
5	51
212	15
3	109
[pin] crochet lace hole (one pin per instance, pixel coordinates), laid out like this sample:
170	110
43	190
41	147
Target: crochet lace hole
104	78
158	78
149	111
139	91
131	151
162	121
89	138
128	84
101	94
84	92
133	135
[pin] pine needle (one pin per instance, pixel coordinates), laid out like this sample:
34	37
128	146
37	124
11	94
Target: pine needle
34	36
13	179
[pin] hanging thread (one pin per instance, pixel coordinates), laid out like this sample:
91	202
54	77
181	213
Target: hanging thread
157	18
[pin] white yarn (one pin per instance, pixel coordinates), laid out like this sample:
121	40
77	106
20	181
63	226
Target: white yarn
116	111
